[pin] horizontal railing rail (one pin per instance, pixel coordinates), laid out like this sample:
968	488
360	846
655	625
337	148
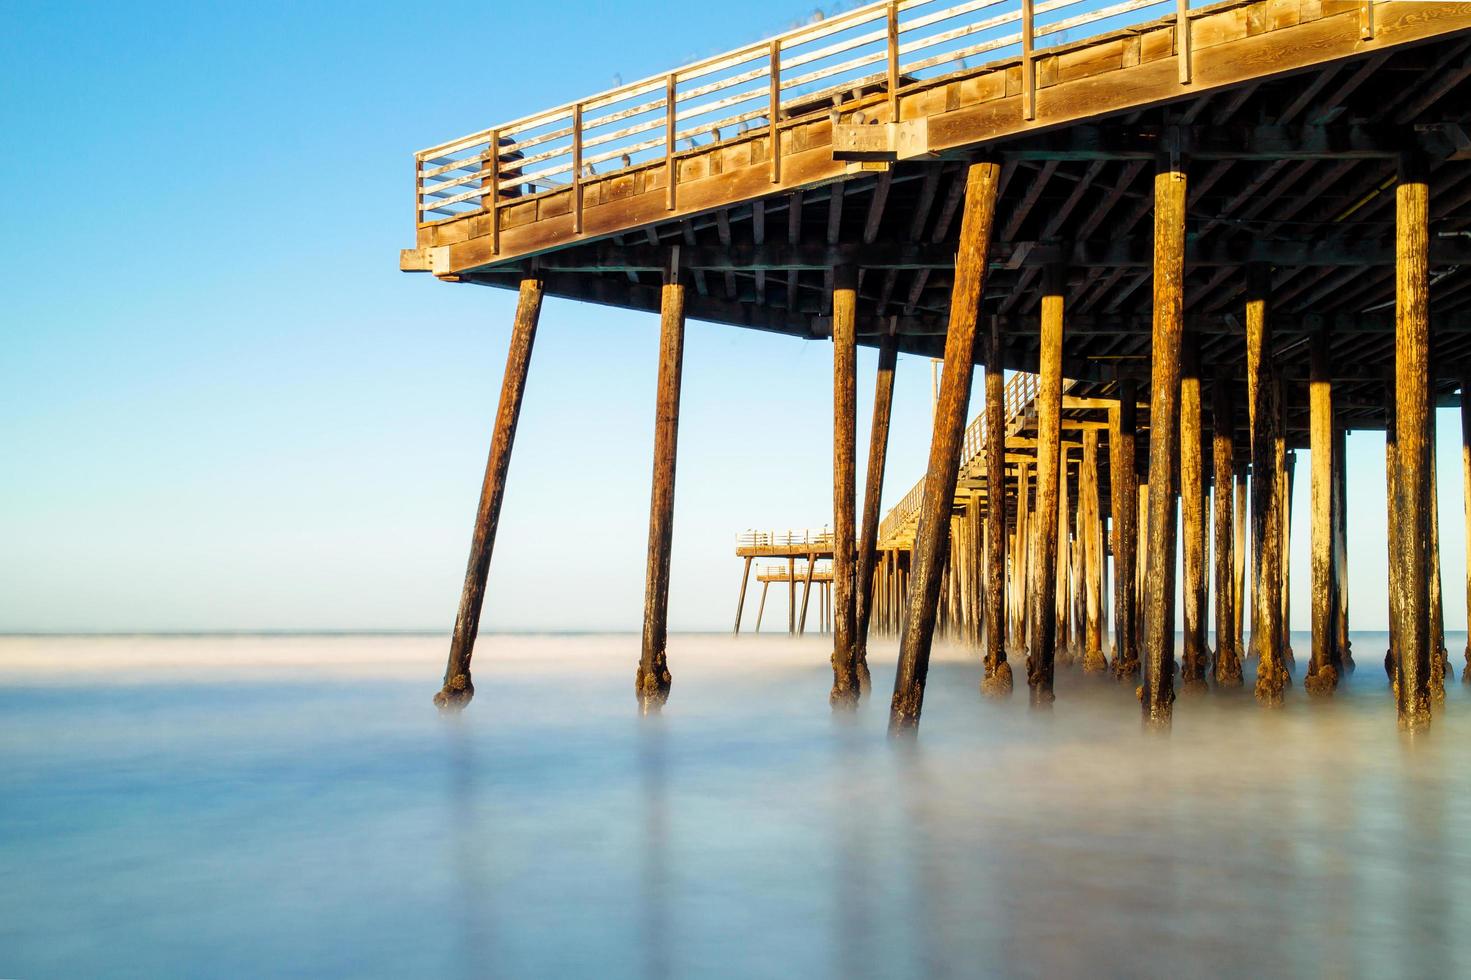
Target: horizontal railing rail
863	56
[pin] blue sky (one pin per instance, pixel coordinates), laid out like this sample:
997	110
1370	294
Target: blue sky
222	406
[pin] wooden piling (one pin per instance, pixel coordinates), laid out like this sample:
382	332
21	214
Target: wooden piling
1412	422
458	689
741	601
1123	491
1395	568
1264	388
1286	475
1238	541
1439	660
806	594
878	448
846	686
1091	547
1343	659
1192	516
1322	675
1226	669
1466	502
652	680
761	608
997	672
1158	694
982	182
792	596
1042	637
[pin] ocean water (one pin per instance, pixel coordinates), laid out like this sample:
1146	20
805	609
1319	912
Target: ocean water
249	806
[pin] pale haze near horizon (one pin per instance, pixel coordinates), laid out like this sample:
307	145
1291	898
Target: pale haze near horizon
225	409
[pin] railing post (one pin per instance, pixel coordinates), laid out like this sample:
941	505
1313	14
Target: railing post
1029	68
774	112
893	61
1182	39
418	190
495	191
670	84
1366	20
577	169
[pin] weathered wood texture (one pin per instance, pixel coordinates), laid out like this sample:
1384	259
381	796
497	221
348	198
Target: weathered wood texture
651	683
1043	626
997	672
1123	487
1090	547
846	685
982	181
1158	694
741	600
1192	517
458	689
878	448
1322	675
1412	428
1264	394
1226	669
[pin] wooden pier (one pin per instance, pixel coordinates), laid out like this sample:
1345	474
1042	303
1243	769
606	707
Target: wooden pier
1214	235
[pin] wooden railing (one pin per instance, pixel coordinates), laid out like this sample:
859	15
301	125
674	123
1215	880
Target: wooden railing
1019	395
863	58
783	539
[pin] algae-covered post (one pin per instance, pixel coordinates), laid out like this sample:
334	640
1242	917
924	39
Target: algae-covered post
1264	387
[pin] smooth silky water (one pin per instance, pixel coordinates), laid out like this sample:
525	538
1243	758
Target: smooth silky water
295	805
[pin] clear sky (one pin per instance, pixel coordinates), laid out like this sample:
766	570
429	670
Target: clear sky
222	406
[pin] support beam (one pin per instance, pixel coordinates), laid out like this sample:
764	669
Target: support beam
458	689
761	608
1226	670
1343	658
982	182
1124	491
1264	393
878	448
846	685
1238	539
997	678
1158	694
1192	516
652	680
1042	639
1412	424
1322	675
741	602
